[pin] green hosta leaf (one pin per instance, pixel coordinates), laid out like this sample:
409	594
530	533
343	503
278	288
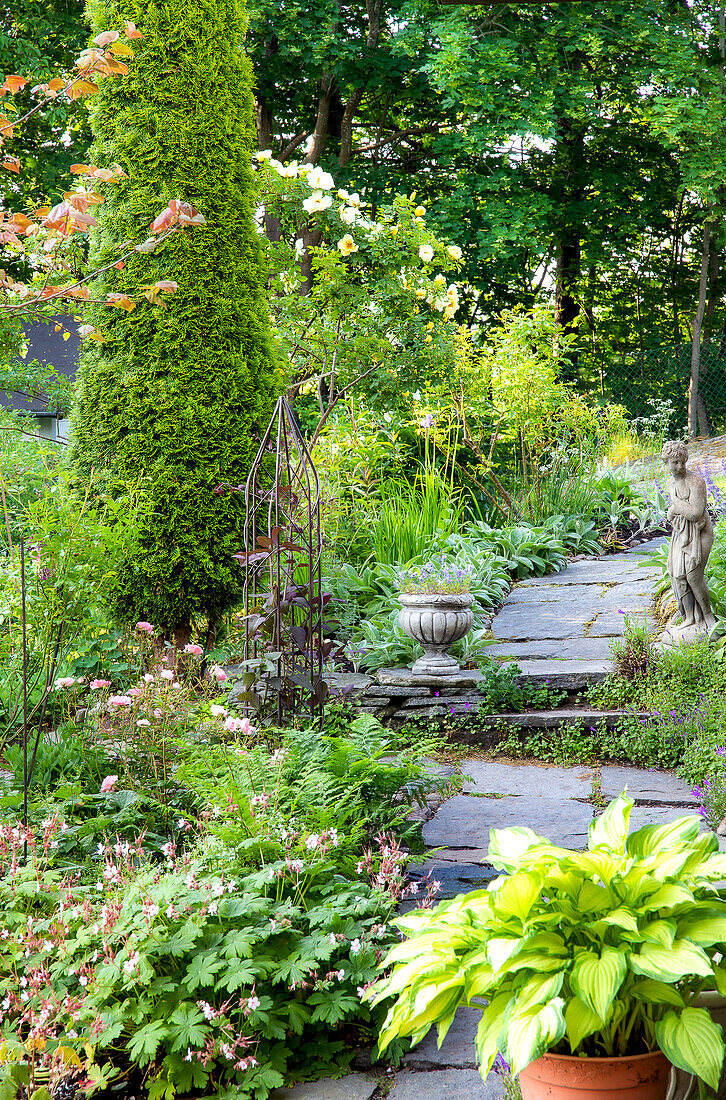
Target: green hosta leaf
669	964
650	991
610	831
704	930
488	1031
619	918
477	981
531	1032
517	894
597	978
539	989
693	1042
593	898
508	847
659	931
719	974
501	949
668	896
714	867
653	840
580	1021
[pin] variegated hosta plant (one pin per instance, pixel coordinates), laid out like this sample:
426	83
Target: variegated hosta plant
594	953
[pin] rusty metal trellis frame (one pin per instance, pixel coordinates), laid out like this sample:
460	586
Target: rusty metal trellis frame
283	565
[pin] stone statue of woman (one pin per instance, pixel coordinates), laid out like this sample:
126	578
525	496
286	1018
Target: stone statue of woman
690	546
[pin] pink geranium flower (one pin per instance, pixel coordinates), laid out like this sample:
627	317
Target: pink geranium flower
194	650
144	627
109	783
96	685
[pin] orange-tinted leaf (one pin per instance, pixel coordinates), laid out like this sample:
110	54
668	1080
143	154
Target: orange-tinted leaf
166	285
20	222
80	169
81	88
104	174
58	217
80	292
116	67
12	164
131	32
56	84
120	265
120	301
162	221
13	83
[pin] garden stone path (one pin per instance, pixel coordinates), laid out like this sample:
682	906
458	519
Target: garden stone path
558	804
560	627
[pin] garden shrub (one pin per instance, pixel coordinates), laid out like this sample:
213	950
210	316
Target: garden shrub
174	400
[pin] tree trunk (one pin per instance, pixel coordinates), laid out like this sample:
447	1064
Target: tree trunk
568	194
693	388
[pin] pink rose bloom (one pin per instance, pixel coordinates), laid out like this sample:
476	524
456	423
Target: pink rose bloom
148	678
195	650
166	674
96	685
119	701
109	783
144	627
136	692
64	682
218	673
238	725
217	711
233	724
158	713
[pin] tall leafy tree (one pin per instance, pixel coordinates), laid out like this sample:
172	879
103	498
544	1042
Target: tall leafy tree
38	39
172	403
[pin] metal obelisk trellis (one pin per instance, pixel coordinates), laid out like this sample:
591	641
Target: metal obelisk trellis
282	559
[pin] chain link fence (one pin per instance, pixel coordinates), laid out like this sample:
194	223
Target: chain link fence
643	380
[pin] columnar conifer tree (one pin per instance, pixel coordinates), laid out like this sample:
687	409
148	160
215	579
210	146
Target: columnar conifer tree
172	403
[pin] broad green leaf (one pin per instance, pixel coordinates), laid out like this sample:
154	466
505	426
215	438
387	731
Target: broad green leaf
532	1031
502	948
487	1033
509	847
592	898
619	918
668	896
580	1021
692	1042
714	867
651	991
517	894
144	1043
719	974
539	989
668	964
704	930
653	840
609	832
659	931
477	980
597	978
187	1026
598	865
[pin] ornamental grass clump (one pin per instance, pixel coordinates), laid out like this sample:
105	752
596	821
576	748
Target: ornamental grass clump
598	953
435	577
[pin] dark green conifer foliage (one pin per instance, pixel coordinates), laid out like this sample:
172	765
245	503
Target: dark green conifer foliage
174	401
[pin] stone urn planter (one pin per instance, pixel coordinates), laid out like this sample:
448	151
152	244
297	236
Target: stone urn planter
436	620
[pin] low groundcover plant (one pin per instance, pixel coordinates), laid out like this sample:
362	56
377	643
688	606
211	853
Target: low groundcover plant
594	953
434	577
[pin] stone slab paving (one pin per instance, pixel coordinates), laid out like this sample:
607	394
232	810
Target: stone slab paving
457	1050
465	821
573	616
530	780
356	1086
662	788
446	1084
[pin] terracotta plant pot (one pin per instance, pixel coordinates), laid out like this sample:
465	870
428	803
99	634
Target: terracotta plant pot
563	1077
436	620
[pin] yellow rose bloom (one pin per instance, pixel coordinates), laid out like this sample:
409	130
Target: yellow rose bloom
347	245
419	211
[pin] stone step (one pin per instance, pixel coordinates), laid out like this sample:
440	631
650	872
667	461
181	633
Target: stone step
552	719
567	675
